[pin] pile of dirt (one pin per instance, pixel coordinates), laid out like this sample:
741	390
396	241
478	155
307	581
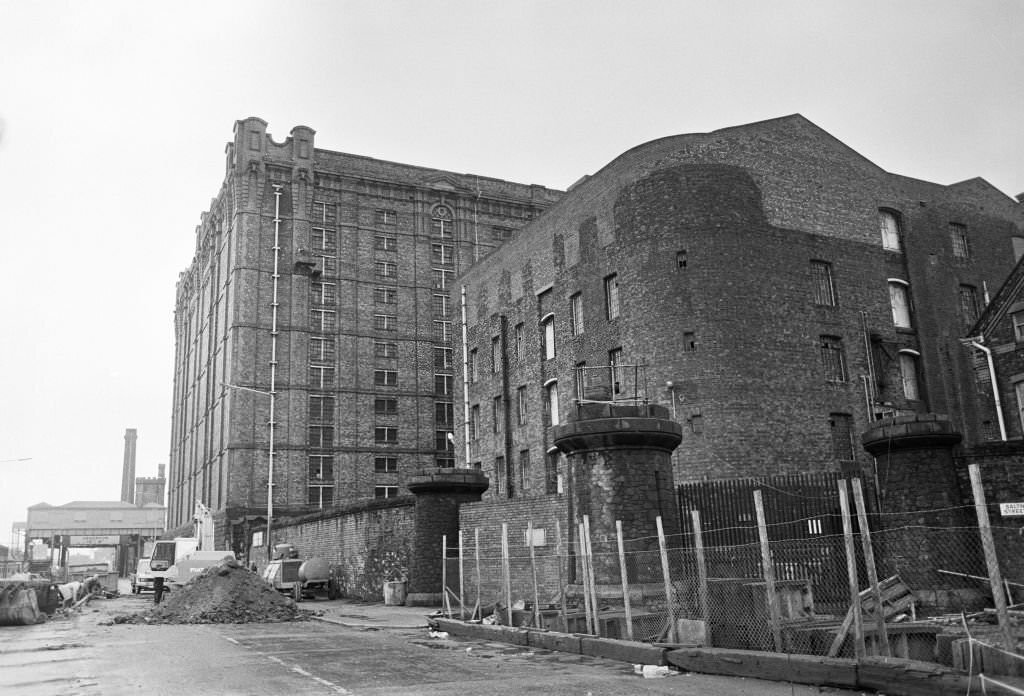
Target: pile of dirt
224	593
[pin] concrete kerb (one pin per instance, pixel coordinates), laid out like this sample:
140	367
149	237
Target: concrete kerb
380	616
610	648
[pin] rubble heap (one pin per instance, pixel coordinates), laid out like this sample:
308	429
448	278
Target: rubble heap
224	593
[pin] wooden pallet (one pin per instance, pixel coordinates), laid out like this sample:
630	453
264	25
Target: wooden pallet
896	599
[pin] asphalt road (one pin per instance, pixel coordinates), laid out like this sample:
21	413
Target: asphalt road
87	655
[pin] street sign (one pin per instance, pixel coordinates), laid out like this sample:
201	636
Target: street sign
99	539
1011	509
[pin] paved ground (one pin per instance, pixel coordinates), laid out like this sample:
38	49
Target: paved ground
357	649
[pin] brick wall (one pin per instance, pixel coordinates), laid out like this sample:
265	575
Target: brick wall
1002	475
483	520
368	543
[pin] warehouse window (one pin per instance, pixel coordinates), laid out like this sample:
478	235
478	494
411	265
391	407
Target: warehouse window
382	349
548	336
383	242
611	296
443	385
1018	325
321	496
444	414
497	414
474	422
576	314
385	322
899	300
385	406
889	224
832	358
385	217
443	359
471	368
385	269
517	334
385	433
521	405
320	436
821	277
321	467
958	238
385	491
385	295
968	296
908	374
385	378
321	408
385	465
551	401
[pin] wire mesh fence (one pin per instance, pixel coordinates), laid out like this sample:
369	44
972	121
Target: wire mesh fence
819	594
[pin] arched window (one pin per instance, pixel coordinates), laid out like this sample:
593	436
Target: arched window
551	401
889	226
547	325
899	298
908	374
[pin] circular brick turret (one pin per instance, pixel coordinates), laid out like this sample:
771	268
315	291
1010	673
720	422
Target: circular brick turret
620	468
917	474
439	493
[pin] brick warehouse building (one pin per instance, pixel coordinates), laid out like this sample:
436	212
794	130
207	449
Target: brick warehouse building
780	291
326	278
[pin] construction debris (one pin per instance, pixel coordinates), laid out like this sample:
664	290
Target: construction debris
18	606
224	593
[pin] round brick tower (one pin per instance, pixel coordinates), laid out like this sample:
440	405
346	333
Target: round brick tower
439	493
916	474
620	468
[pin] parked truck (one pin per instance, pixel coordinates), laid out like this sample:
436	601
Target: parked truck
176	561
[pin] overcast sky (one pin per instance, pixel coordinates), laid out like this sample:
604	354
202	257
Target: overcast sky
115	116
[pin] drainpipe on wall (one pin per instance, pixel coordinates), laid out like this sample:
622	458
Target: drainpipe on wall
977	343
273	368
465	376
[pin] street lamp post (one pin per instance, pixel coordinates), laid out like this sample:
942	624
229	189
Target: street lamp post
270	459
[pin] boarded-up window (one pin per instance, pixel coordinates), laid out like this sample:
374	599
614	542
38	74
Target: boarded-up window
842	436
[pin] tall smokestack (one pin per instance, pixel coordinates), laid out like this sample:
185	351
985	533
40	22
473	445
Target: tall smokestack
128	472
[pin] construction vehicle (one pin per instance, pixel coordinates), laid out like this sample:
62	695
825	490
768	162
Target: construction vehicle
176	561
297	578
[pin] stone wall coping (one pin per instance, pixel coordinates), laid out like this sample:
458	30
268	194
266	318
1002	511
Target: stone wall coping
449	480
623	432
910	432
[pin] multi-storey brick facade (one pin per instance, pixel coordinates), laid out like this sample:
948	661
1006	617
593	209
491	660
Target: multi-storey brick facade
780	292
325	278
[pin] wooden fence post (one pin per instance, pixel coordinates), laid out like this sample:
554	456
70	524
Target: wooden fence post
624	576
702	575
584	578
506	571
988	545
869	563
533	572
851	572
670	633
768	568
478	606
444	576
561	577
462	582
591	576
